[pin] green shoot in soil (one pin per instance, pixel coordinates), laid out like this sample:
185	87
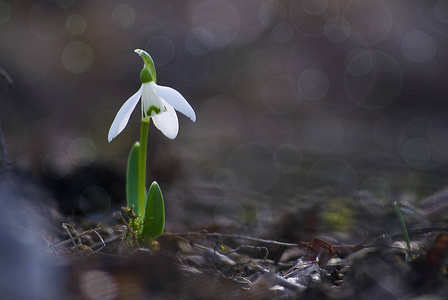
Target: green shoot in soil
405	231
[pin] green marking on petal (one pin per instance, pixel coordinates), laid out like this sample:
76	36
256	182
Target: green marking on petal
151	109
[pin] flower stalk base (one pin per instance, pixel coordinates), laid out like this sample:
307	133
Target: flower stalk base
142	167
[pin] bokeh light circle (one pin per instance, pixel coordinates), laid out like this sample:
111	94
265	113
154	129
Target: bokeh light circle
417	46
220	19
76	24
95	202
370	21
280	94
433	15
161	49
199	41
441	10
337	29
358	62
82	152
308	16
77	57
416	152
377	88
288	158
416	127
283	32
5	12
313	84
253	166
56	165
314	7
124	15
416	140
272	13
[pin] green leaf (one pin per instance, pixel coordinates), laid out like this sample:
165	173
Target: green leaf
154	221
132	178
404	229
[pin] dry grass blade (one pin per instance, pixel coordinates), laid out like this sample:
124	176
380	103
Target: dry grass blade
75	239
232	236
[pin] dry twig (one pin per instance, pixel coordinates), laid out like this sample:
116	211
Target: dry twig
68	228
232	236
279	280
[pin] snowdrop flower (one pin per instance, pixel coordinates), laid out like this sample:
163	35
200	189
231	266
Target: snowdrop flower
158	103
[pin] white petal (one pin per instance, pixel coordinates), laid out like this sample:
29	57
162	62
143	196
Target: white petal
167	122
123	115
174	98
150	99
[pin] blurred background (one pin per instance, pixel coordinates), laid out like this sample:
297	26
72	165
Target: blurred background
294	100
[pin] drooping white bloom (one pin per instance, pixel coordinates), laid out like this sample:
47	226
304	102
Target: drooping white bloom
158	103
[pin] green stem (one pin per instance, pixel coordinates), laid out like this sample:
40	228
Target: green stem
142	168
403	228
